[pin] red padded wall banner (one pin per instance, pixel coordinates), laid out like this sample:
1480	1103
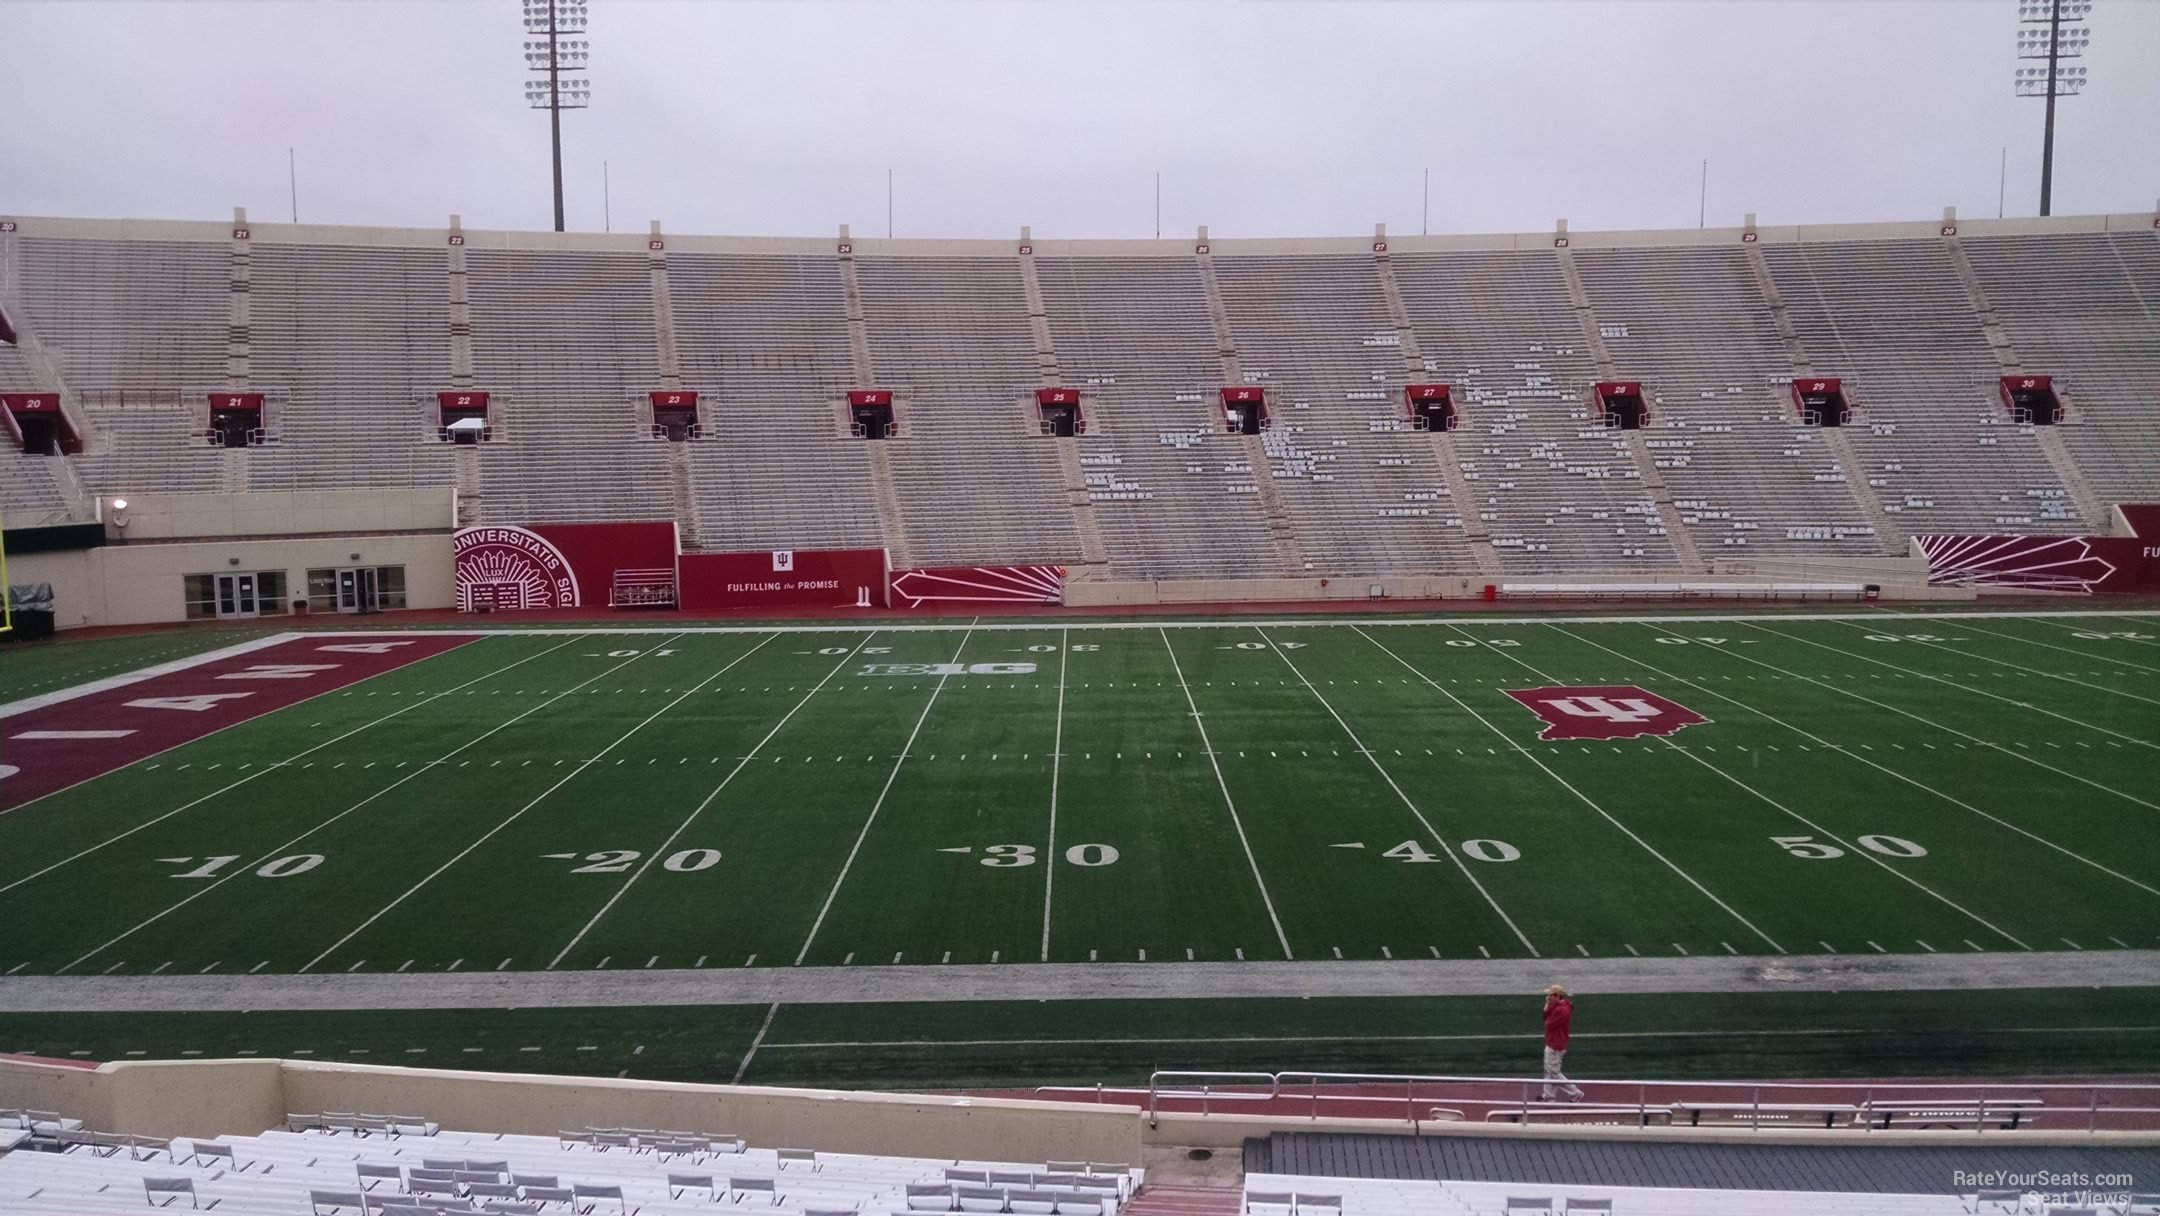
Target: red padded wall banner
31	403
979	585
2081	565
507	569
781	578
2144	519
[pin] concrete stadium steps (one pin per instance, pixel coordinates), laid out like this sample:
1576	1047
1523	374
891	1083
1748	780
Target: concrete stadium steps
1893	321
1154	1200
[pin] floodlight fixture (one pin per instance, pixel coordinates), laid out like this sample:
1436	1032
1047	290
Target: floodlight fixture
2053	41
550	49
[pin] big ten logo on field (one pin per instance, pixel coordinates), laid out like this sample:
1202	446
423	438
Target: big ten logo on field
1604	711
947	669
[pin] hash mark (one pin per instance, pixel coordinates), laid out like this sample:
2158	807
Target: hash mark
1925	946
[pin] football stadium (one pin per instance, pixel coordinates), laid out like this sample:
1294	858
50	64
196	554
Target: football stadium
1613	717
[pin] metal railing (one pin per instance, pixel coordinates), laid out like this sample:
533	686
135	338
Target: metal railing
1862	1106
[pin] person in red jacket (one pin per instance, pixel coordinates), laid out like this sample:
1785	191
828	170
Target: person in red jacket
1559	1014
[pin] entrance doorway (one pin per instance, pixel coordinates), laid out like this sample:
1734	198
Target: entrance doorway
358	590
236	596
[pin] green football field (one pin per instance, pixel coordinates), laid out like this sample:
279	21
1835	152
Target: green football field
1114	791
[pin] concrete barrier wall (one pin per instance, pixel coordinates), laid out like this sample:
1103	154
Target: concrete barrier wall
1895	576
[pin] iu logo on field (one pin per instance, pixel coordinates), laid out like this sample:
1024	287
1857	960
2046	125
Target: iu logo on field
1604	711
783	561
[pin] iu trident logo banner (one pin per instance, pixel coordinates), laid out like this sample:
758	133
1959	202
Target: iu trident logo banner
1604	711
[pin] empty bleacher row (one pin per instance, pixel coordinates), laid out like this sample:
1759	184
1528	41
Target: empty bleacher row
1315	332
332	1165
1746	473
1557	491
351	342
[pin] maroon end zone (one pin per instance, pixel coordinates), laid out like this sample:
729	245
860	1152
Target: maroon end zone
58	745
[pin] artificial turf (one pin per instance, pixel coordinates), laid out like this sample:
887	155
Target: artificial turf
1094	793
999	1044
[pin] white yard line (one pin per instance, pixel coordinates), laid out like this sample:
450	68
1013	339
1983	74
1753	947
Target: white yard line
2088	655
1854	654
759	1041
2148	616
1208	747
1585	799
409	706
894	775
2148	640
1767	800
2037	671
1057	754
515	815
1914	782
1446	846
280	850
684	826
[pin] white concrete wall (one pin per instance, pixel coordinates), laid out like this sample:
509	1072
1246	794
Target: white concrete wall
278	513
141	584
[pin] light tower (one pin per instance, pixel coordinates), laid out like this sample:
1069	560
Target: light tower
549	48
2054	42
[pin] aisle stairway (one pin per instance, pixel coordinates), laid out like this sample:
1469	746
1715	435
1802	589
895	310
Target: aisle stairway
1153	1200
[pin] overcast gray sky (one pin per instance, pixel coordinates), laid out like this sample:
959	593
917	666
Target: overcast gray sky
1265	118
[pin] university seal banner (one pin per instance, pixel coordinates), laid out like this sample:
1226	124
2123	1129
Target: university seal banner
500	568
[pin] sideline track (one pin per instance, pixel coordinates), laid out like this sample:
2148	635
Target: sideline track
1077	981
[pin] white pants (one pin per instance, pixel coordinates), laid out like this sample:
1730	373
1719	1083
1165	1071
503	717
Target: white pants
1553	1073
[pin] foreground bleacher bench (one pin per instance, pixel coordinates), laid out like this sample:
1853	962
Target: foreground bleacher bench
345	1165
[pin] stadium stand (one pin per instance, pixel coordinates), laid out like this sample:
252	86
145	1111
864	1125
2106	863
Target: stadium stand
768	337
348	335
348	1166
